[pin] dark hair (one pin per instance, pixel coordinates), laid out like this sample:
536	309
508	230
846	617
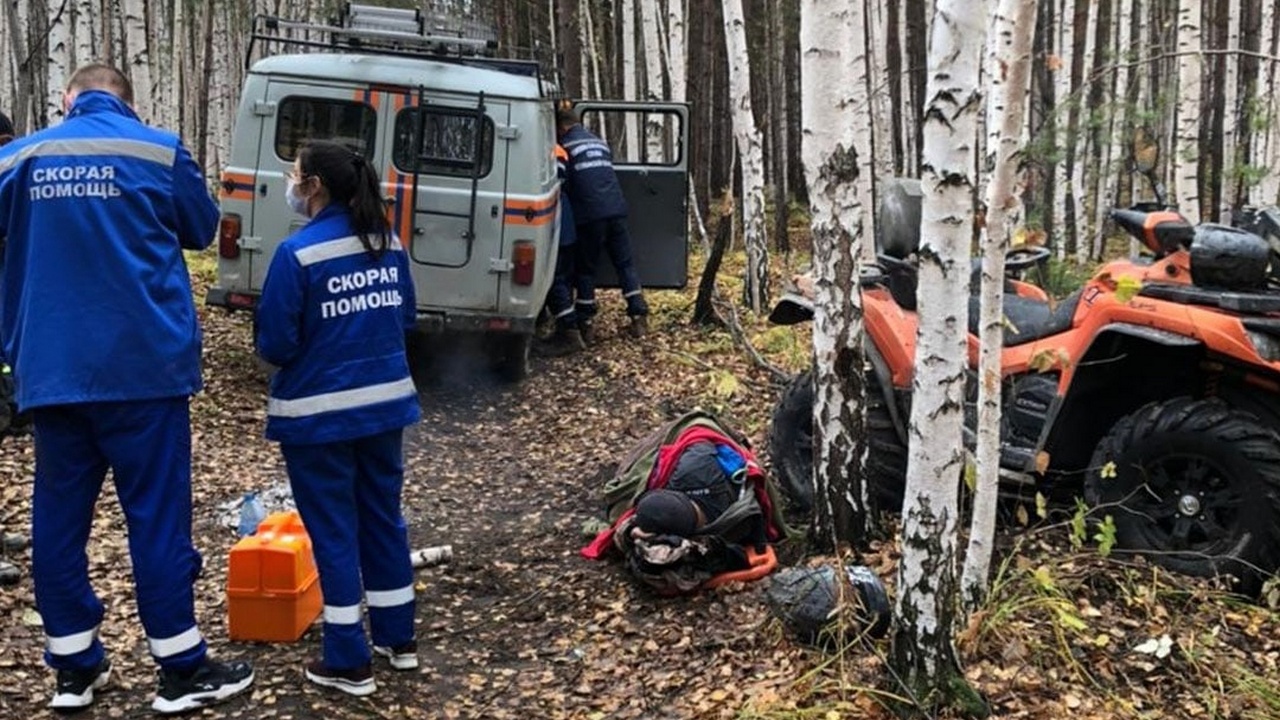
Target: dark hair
566	116
6	129
352	181
97	76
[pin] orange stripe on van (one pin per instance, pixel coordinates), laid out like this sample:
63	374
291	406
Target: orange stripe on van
235	186
539	211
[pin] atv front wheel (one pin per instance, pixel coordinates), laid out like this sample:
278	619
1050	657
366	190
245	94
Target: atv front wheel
791	445
1193	484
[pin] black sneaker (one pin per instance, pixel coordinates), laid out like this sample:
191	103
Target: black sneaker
75	687
210	683
401	657
357	681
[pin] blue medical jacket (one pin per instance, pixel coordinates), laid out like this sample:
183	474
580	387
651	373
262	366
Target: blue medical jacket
333	318
95	298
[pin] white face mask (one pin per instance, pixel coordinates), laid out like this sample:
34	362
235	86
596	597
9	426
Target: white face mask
297	203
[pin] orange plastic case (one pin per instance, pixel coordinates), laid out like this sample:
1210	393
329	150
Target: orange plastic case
273	593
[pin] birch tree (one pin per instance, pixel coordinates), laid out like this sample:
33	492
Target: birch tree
1061	64
1186	161
654	126
631	136
1231	128
137	62
832	38
1009	57
751	157
1267	147
924	653
58	71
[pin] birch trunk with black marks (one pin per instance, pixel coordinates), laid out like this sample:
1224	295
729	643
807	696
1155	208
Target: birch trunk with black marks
137	60
1009	57
1186	160
59	64
832	38
750	147
924	654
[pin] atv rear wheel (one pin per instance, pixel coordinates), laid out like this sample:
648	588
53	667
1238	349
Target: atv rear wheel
1192	483
791	445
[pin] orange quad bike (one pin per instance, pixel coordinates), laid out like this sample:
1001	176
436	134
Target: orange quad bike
1153	390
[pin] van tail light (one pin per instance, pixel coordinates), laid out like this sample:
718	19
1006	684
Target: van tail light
229	236
523	255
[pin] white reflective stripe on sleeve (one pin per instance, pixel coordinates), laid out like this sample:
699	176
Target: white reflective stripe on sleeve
341	400
342	614
71	644
93	147
331	249
183	641
389	598
593	164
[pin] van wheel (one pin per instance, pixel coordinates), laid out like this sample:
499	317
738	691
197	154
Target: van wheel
511	357
1192	483
791	445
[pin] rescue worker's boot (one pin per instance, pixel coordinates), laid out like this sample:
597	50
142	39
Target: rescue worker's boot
639	326
566	341
587	330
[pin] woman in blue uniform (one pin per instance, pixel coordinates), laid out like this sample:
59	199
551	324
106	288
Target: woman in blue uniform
335	306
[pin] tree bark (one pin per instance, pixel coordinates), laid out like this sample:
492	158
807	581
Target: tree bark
59	65
833	74
1009	57
924	653
751	158
1186	160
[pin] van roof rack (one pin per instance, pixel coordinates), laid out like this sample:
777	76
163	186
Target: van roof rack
399	32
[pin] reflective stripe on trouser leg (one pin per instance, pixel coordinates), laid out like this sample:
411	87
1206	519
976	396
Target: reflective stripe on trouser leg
384	540
586	257
323	479
560	296
148	445
617	243
69	474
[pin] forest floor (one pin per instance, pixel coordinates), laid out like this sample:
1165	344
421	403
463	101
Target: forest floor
520	626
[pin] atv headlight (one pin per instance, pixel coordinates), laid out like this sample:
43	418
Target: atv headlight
1267	346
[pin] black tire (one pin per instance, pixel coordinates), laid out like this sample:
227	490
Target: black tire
511	357
1195	487
791	442
791	446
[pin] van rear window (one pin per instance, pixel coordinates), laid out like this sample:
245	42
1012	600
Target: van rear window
301	119
448	144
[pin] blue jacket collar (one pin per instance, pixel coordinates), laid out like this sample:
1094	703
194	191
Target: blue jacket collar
96	101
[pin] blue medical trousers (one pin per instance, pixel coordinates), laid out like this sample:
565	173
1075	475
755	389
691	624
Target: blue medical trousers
348	494
147	445
608	236
560	297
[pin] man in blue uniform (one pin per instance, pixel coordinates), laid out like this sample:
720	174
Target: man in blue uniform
568	336
600	210
98	322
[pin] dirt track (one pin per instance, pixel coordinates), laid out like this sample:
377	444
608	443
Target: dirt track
518	625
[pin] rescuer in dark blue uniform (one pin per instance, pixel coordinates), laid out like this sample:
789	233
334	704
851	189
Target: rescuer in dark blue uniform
335	306
99	325
568	336
600	210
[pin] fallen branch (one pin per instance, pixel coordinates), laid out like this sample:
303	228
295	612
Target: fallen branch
734	324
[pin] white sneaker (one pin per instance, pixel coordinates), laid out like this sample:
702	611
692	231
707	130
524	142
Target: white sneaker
402	657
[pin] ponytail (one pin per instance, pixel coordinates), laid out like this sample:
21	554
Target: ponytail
368	214
352	181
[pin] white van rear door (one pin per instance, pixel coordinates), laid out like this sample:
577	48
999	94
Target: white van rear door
297	112
447	148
